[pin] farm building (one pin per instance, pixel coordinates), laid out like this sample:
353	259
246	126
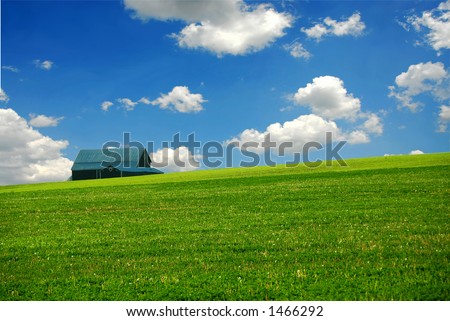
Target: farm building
108	163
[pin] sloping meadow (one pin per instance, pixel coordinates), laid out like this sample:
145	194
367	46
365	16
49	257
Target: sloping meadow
378	229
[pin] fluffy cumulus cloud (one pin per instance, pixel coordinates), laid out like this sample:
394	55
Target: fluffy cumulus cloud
180	99
353	26
327	97
106	105
44	121
220	26
373	124
422	78
44	65
416	78
27	156
189	11
297	50
328	100
298	132
127	103
436	22
357	137
175	160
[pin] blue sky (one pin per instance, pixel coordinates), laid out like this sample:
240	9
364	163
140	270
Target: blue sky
375	72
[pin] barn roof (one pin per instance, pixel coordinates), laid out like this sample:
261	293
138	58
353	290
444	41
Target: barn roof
93	159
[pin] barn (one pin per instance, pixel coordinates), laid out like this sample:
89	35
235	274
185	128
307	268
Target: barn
115	162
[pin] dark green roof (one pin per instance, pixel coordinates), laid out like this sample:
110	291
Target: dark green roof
121	158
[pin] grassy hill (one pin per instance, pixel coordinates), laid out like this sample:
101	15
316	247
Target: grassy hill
378	229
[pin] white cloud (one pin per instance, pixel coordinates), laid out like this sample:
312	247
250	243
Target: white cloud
178	160
327	97
424	78
353	26
445	113
145	101
180	99
316	32
189	11
44	121
421	78
10	68
220	26
444	118
299	131
413	152
106	105
3	96
297	50
414	80
26	156
437	22
45	65
302	130
357	137
127	103
373	124
328	101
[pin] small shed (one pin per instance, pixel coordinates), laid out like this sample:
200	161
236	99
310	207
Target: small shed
114	162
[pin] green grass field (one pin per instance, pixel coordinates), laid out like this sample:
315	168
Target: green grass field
378	229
